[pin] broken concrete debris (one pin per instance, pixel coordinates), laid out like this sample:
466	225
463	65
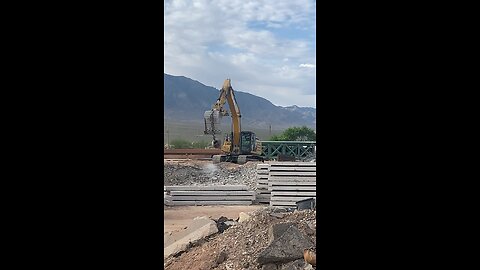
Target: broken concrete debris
293	265
277	230
243	217
260	241
223	223
204	173
288	247
277	215
269	266
221	257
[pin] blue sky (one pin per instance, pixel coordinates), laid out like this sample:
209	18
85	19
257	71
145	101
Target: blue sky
266	48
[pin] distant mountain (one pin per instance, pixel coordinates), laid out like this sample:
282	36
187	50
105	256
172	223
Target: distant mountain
186	100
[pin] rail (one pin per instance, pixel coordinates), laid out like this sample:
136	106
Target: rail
297	149
270	150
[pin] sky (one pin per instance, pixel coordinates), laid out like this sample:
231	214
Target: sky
266	48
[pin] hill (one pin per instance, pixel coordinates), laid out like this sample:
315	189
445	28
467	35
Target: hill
186	100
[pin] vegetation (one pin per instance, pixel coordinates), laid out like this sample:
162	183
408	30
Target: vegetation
296	134
184	144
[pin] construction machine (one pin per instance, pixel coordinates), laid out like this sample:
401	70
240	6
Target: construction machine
240	146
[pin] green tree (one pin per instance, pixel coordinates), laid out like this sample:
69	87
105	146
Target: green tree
180	144
200	144
296	134
184	144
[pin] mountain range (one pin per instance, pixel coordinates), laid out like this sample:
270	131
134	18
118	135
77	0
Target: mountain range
186	100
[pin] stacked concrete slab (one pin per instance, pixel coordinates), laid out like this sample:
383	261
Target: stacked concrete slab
290	182
209	195
263	194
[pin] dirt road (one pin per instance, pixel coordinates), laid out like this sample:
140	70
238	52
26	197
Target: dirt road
178	217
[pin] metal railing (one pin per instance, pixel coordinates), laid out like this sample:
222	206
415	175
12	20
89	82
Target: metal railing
297	149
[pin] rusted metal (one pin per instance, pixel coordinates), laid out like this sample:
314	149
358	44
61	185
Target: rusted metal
187	157
192	151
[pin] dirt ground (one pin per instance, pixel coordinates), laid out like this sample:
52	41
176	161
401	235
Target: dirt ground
178	217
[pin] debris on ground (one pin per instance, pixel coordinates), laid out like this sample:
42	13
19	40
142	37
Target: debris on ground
242	217
223	223
264	241
205	173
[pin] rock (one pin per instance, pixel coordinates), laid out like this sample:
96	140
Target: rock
276	230
288	247
221	227
222	219
309	231
278	215
243	217
308	267
230	223
279	210
245	265
221	257
295	265
310	256
269	266
312	225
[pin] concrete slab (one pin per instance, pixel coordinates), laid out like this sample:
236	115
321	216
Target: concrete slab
175	242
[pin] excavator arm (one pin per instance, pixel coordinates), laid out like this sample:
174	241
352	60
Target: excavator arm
218	110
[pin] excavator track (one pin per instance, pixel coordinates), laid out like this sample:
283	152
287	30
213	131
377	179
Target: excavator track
217	158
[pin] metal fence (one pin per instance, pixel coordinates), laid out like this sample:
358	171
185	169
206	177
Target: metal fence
297	149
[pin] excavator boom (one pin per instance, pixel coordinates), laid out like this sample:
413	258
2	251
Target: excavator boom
243	145
212	117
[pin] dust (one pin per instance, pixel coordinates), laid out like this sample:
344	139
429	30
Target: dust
210	168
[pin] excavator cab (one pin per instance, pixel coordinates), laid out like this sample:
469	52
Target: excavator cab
250	149
247	142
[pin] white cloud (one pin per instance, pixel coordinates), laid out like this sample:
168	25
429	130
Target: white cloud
211	40
307	65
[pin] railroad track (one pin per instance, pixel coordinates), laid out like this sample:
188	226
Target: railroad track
190	153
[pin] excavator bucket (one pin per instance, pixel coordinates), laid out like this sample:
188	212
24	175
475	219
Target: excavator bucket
212	122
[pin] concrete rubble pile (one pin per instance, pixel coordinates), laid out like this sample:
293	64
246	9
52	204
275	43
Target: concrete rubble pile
269	238
205	173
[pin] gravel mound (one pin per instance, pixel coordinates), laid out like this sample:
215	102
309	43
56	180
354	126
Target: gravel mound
205	173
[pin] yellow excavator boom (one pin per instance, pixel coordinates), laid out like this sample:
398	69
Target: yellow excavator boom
218	110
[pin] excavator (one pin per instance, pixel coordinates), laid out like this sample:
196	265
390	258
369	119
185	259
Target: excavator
240	146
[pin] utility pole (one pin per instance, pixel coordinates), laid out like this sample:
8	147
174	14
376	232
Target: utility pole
270	131
168	134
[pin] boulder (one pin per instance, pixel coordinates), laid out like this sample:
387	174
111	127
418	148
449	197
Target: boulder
288	247
277	230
